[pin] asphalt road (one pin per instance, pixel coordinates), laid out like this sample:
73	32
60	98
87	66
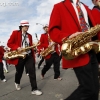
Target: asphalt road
52	89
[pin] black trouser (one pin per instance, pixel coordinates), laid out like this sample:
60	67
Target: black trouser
30	65
60	56
26	70
98	58
88	81
54	59
1	71
40	62
99	77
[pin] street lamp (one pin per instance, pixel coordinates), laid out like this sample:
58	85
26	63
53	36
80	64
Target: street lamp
36	36
39	24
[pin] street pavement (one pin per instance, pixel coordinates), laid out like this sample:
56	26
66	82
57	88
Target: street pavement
52	89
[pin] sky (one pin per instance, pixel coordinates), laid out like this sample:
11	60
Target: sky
35	11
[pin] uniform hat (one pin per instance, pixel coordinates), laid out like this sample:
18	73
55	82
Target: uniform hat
24	22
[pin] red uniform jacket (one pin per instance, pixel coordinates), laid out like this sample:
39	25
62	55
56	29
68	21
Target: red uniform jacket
96	15
15	41
1	53
44	43
63	23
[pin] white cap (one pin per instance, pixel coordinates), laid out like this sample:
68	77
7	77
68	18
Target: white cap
24	22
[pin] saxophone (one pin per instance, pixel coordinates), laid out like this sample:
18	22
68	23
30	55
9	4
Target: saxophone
47	51
80	44
17	54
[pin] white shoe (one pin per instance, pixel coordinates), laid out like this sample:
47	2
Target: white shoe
59	78
17	86
36	92
4	80
27	74
7	71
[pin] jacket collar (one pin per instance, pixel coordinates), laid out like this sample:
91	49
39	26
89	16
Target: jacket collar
71	10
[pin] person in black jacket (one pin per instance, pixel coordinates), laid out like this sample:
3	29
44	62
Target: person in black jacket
96	14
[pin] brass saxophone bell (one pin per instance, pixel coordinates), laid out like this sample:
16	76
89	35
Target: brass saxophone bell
65	48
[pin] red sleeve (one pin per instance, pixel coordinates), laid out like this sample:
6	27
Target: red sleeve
55	26
12	41
43	44
1	53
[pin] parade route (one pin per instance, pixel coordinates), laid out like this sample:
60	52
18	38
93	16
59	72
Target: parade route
52	89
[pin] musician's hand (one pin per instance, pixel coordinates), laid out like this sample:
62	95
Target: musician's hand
39	43
51	42
33	43
74	34
63	39
20	49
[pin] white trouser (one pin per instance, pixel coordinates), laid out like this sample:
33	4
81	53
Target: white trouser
5	65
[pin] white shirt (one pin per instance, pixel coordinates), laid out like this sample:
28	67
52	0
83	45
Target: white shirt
83	10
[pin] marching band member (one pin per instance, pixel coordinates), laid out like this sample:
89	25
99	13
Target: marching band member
96	14
96	5
2	77
68	19
18	40
52	58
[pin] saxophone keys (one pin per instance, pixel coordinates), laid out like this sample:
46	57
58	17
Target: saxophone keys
88	46
82	48
76	53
